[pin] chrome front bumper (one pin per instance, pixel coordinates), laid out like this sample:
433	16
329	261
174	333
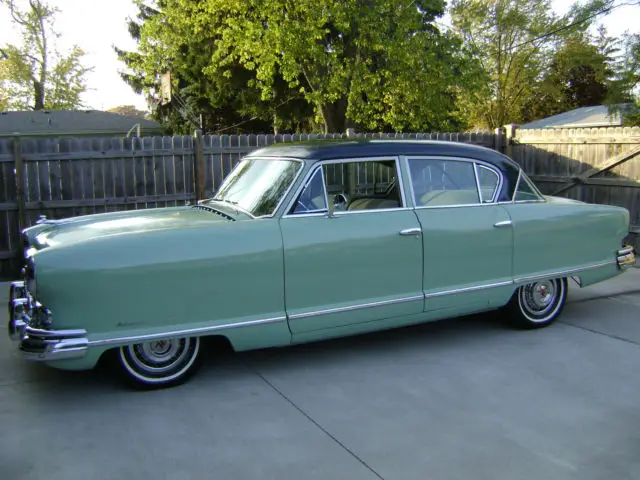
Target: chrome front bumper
28	324
626	257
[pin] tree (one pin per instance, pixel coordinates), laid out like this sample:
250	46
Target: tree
579	75
34	75
624	86
128	111
515	39
172	38
376	64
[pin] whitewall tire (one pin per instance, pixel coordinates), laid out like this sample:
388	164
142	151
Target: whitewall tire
537	304
160	363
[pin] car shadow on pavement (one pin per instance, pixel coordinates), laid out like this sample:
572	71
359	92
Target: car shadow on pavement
222	365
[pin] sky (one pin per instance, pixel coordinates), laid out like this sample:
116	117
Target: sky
97	25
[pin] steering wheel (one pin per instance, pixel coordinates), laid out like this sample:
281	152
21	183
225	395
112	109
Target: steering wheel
340	202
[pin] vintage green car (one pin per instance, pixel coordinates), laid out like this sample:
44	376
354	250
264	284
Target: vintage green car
304	242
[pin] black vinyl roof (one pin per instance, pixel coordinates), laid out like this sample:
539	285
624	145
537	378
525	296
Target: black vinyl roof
317	150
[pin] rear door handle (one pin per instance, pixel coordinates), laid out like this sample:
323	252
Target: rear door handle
502	224
410	231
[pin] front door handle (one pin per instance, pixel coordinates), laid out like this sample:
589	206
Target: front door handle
502	224
411	231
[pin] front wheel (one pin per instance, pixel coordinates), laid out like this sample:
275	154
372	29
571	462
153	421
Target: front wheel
160	363
537	304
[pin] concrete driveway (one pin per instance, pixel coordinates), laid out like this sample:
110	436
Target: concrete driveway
460	399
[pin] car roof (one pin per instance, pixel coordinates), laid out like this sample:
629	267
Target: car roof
318	150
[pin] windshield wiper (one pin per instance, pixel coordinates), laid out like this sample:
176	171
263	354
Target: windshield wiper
219	199
235	204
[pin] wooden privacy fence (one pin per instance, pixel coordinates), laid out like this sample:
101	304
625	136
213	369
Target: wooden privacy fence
64	177
596	165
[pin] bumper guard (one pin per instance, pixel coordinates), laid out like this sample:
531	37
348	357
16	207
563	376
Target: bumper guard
28	321
626	257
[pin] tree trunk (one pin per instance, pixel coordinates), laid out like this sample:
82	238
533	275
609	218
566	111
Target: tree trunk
335	116
38	94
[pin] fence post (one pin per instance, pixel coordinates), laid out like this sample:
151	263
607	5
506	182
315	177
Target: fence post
510	134
18	166
198	159
498	140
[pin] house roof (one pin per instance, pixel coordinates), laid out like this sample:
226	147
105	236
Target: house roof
71	122
583	117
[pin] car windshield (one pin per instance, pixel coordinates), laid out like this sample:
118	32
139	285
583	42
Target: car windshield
256	186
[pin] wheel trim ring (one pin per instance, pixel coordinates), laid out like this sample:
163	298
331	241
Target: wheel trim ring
560	293
143	356
192	347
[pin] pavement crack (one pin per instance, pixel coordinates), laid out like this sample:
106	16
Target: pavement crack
616	337
308	417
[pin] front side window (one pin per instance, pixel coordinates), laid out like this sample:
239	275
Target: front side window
257	185
313	198
351	186
443	182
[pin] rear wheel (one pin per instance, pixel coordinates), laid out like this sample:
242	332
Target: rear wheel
160	363
537	304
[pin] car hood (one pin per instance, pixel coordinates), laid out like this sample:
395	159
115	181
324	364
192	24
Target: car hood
133	222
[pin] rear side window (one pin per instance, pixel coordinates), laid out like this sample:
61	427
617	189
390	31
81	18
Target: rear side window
443	182
488	180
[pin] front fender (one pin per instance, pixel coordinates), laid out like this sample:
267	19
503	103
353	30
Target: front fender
128	286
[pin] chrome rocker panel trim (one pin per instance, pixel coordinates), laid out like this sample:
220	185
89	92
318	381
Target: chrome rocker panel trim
41	344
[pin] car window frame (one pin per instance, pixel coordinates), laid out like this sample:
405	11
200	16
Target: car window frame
320	163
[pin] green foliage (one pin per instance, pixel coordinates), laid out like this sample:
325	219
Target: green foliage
373	64
176	37
624	87
579	75
516	41
34	75
305	65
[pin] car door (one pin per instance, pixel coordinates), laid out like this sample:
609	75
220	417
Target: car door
467	236
360	262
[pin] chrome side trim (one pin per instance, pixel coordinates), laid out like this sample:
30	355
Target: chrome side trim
185	332
562	273
475	174
467	289
355	307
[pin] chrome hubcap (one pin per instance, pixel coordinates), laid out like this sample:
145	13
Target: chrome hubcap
160	357
538	298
